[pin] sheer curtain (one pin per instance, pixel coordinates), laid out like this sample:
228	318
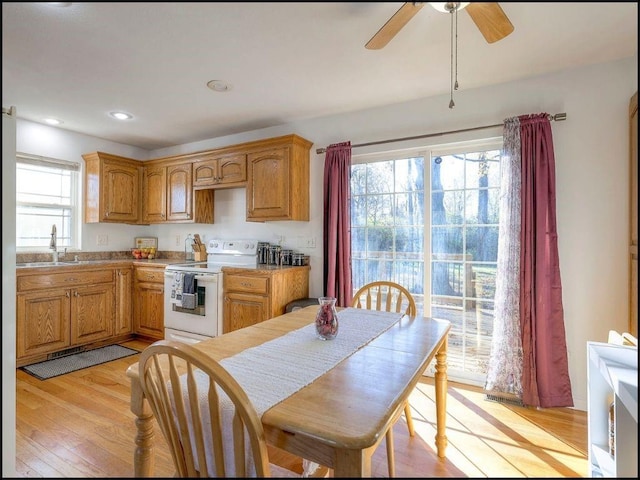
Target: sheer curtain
536	313
504	374
337	223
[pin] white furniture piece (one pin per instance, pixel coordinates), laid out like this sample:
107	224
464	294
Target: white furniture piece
612	375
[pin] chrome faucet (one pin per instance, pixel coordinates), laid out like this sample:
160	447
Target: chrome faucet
53	244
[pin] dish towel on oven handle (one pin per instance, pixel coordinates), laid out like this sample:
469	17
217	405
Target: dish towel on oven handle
189	291
176	289
292	362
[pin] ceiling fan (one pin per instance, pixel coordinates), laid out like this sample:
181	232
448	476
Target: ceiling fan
489	17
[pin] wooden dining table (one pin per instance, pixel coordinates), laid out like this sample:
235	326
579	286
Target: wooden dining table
340	418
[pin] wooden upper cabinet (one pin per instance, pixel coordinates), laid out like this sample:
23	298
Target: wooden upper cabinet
179	193
167	193
216	171
180	189
154	194
278	180
111	188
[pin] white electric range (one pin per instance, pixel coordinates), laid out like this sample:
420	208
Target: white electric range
193	290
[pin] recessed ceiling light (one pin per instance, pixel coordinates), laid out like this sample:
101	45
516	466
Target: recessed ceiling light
219	85
121	115
53	121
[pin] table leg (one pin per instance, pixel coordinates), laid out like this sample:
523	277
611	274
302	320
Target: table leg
143	456
441	399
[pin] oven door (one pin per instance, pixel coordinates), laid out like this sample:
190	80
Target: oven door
203	317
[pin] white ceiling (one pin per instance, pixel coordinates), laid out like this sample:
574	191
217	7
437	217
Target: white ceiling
285	61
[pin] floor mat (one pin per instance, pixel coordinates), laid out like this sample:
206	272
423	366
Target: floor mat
77	361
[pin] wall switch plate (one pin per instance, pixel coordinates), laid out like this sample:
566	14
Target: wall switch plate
103	239
311	242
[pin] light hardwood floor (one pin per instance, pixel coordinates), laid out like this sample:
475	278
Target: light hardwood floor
80	425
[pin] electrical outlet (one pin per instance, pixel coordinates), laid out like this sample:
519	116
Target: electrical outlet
178	240
102	239
311	242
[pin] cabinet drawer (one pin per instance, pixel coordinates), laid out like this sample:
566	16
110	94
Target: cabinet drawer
153	275
246	283
68	279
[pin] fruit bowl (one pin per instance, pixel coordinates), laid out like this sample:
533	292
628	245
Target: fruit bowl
148	253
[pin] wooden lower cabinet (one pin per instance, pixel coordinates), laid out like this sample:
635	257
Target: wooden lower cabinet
57	311
148	301
43	322
124	306
92	313
253	296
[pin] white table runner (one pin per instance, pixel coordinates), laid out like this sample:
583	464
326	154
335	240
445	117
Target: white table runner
293	361
273	371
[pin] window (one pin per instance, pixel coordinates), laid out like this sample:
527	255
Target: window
47	193
390	233
387	224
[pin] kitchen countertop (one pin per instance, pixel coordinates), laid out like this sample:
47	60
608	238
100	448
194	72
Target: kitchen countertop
159	262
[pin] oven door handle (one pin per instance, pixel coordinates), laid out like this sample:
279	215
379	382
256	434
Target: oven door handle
203	277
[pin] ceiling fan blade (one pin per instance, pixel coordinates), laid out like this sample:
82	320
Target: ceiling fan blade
393	25
490	19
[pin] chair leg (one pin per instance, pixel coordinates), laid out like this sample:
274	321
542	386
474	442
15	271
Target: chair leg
408	418
391	461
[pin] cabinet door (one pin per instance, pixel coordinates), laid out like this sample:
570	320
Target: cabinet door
179	191
220	171
120	192
154	200
205	172
232	170
268	193
149	310
42	322
124	307
92	313
243	310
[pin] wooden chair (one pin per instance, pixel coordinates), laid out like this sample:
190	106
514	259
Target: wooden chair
389	297
225	439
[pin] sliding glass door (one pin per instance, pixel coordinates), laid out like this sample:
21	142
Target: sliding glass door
394	221
464	244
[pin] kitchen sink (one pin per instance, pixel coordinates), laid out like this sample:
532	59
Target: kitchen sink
42	264
57	264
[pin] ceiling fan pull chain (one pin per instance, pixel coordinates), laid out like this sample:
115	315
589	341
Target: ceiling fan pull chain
451	102
455	85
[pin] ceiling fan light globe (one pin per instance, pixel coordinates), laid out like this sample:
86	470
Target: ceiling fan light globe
444	7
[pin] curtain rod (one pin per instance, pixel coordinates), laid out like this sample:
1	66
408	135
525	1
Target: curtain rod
557	117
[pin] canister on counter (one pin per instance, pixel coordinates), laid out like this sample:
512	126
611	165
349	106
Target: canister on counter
274	254
297	259
263	252
285	255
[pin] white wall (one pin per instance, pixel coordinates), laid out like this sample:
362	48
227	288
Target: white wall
591	149
8	295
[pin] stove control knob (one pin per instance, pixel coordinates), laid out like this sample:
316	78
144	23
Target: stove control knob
215	245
